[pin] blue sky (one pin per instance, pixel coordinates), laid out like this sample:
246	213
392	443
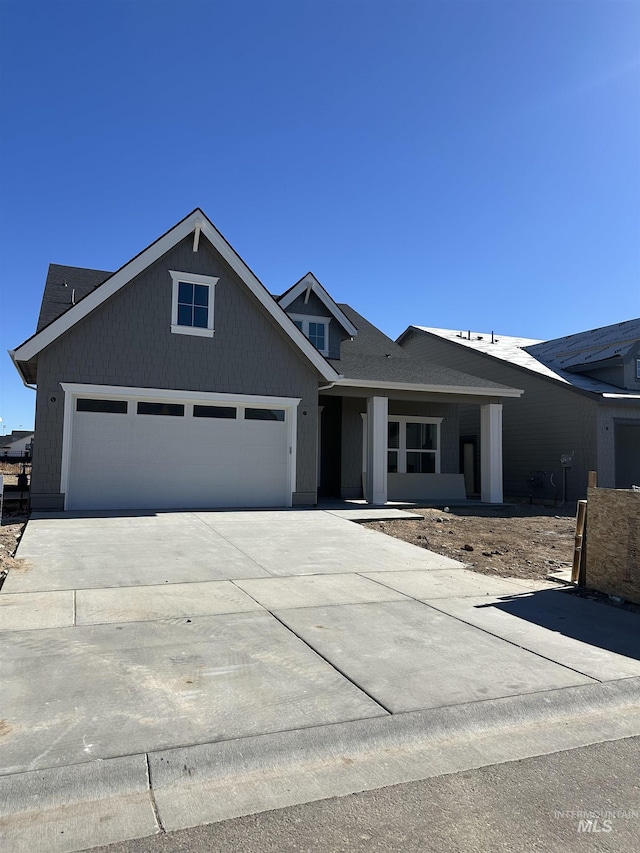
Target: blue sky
456	164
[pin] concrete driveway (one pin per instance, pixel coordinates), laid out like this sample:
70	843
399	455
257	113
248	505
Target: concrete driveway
132	643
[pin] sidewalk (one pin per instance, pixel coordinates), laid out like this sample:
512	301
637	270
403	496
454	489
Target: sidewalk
275	669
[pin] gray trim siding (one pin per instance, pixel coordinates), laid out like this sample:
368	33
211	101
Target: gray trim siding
127	341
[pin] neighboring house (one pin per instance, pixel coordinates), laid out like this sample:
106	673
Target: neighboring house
179	381
580	410
17	444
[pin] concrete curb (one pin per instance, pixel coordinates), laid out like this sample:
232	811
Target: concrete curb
63	809
73	808
213	782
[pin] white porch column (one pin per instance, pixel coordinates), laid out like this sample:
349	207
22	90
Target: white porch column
491	452
377	417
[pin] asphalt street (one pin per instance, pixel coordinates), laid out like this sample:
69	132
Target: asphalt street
577	801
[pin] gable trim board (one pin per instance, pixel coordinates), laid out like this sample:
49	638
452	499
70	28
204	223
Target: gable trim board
148	256
311	283
282	486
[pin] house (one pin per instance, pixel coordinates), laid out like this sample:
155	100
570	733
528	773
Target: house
17	444
180	381
580	410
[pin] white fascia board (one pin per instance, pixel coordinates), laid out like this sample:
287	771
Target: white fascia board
155	251
277	312
622	396
125	392
118	280
310	280
439	389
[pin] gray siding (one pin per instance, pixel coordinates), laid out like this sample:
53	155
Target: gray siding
606	420
352	410
631	380
127	341
546	422
351	469
613	374
316	308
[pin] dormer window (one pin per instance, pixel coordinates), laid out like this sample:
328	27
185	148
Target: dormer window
314	328
192	304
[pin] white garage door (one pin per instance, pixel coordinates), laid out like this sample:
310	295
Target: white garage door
143	453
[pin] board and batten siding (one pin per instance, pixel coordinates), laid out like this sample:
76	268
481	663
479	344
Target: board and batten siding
127	341
547	421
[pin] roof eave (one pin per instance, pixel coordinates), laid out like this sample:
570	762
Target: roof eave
480	391
18	366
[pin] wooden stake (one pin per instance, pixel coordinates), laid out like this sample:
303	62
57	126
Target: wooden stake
592	481
581	518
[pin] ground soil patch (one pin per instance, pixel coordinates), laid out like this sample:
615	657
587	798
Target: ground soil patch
520	541
11	528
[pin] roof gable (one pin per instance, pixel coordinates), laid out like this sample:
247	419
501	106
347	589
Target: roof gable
196	223
310	284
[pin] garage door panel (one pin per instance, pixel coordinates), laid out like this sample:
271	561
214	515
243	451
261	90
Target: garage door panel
140	461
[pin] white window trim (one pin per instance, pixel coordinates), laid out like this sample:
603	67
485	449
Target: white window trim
305	319
192	278
402	459
74	390
402	450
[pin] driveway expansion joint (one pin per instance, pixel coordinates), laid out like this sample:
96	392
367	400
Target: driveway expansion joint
152	797
332	665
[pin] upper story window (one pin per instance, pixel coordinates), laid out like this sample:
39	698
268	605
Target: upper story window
192	304
314	328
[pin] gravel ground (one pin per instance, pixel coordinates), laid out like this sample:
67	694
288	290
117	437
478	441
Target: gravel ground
519	541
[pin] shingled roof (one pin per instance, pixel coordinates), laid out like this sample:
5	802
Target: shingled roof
372	356
64	287
529	354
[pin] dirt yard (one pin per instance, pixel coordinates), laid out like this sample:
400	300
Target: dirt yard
10	470
10	532
517	541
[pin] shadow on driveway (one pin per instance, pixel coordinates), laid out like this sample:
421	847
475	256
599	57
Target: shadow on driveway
569	614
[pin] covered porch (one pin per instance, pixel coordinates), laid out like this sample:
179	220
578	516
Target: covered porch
381	444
